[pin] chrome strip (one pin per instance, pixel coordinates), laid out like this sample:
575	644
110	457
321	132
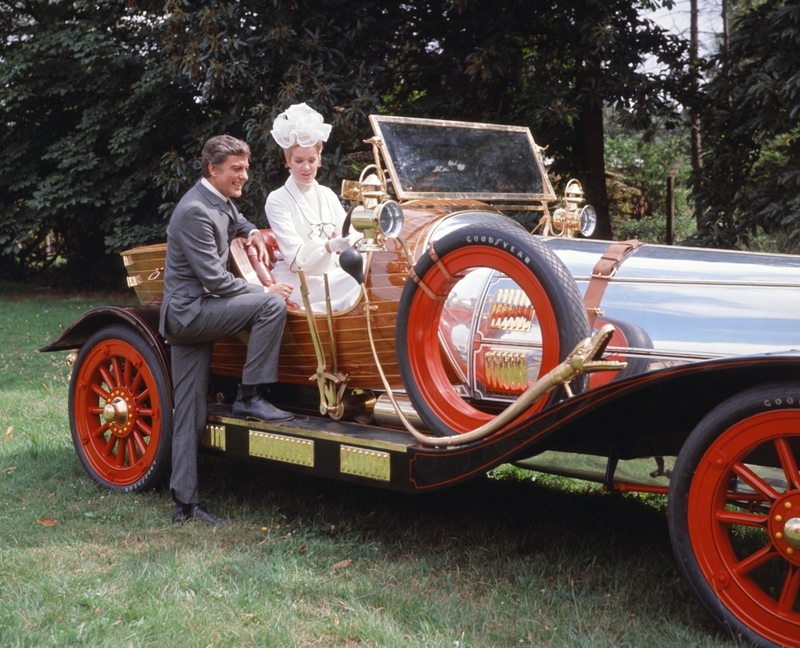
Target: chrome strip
695	282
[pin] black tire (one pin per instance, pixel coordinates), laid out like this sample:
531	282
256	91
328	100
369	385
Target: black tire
629	335
502	246
730	518
126	446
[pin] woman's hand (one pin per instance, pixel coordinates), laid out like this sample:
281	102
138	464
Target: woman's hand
337	243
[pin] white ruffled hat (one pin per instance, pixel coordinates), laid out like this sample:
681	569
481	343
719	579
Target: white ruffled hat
301	125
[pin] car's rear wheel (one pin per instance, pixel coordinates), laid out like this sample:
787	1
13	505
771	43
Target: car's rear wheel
734	514
120	412
555	309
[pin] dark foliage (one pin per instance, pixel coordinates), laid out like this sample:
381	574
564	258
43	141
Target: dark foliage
751	164
105	105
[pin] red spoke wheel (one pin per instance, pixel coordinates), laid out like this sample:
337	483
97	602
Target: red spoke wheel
734	514
556	306
120	410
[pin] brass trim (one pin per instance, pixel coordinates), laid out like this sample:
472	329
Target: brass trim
214	437
372	441
512	310
506	372
365	463
282	448
134	281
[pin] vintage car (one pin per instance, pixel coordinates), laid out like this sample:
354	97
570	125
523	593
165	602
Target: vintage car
476	342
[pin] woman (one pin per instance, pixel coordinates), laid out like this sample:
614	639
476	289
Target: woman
306	217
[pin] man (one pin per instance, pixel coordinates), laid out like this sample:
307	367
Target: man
203	302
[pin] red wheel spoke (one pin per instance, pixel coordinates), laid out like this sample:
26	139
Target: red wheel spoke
121	453
137	381
755	560
138	440
131	447
754	481
117	372
143	428
108	451
107	379
742	518
790	589
788	463
127	374
142	396
98	389
99	431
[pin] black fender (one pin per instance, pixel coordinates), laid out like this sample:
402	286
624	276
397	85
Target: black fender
644	415
143	319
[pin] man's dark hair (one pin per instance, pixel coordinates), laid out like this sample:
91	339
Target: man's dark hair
217	149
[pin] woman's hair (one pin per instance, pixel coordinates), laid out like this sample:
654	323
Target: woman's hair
288	151
217	149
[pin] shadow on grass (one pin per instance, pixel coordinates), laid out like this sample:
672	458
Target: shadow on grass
529	514
579	542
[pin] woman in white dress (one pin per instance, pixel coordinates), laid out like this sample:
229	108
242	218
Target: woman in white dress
306	217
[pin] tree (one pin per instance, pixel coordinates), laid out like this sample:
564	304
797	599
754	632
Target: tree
249	62
752	153
104	106
83	107
549	65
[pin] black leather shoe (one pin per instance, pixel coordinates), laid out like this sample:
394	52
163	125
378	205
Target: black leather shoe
251	404
186	512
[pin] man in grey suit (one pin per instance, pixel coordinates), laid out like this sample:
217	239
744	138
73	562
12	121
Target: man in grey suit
203	302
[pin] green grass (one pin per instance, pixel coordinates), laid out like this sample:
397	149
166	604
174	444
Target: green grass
512	559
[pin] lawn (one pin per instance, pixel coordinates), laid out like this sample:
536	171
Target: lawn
511	559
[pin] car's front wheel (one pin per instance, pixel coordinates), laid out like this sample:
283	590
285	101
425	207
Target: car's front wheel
734	514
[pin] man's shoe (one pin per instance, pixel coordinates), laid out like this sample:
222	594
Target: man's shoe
186	512
251	404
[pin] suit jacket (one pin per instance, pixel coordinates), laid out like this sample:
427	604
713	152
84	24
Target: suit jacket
199	235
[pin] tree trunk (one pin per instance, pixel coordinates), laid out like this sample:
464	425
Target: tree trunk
591	145
694	113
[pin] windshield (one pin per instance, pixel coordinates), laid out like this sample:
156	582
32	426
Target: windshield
429	158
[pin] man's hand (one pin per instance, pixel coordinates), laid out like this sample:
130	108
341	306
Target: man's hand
256	241
283	289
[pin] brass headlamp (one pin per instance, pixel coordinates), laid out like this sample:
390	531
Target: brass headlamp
572	217
373	214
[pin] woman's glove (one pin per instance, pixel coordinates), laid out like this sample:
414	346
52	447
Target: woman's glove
338	243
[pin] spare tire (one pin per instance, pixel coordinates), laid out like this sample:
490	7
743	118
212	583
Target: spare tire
558	311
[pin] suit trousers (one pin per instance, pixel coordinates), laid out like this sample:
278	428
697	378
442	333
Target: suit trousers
191	349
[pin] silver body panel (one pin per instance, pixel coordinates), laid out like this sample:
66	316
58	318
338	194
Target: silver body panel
697	303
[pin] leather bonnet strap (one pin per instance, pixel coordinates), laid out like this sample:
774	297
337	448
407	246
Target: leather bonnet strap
604	269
